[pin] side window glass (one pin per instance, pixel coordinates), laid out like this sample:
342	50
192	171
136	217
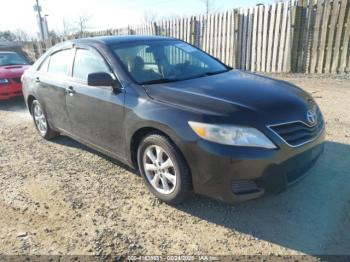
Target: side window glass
87	62
44	65
59	62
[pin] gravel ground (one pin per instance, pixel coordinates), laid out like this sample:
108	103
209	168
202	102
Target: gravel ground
62	198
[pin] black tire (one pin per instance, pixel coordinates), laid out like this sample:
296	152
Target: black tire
183	187
49	132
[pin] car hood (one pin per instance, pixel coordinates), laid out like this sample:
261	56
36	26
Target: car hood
237	92
12	71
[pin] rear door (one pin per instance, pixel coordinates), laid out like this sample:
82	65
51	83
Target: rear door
96	113
51	80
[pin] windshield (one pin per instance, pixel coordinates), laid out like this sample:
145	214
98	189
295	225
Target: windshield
152	62
12	59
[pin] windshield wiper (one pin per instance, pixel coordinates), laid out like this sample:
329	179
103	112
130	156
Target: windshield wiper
158	81
215	72
209	73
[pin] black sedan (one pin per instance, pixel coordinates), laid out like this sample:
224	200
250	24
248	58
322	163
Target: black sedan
188	122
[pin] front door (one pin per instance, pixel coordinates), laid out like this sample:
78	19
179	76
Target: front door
96	113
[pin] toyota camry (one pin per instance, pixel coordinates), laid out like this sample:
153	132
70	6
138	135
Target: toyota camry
186	121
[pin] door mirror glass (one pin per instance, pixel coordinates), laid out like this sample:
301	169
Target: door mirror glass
101	79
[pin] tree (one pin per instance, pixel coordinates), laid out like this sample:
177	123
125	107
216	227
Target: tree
53	34
7	36
83	21
68	28
209	6
150	17
22	35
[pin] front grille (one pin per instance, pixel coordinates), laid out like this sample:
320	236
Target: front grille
17	80
298	133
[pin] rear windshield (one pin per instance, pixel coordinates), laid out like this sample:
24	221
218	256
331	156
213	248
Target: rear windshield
165	61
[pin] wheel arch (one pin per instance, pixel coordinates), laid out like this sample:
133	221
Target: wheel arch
141	133
30	100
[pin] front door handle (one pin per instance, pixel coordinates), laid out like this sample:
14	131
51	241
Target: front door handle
70	90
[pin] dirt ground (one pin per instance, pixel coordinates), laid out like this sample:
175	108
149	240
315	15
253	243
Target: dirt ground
62	198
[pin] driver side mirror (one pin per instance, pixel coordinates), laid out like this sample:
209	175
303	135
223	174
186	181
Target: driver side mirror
102	79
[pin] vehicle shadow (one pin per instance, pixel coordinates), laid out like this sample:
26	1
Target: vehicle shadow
67	141
14	105
312	217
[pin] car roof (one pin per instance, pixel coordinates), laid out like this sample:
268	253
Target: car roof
7	52
108	40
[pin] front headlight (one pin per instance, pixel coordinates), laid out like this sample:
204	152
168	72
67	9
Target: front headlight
232	135
4	81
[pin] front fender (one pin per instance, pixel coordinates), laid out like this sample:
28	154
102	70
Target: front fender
151	114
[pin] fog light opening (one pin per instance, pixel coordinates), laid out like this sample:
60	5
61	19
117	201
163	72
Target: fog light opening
241	187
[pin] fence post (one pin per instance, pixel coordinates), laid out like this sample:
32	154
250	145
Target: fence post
194	31
235	58
315	42
323	35
154	28
311	13
297	17
270	40
288	46
331	35
345	51
338	34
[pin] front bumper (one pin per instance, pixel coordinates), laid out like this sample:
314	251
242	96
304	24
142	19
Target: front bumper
11	90
236	174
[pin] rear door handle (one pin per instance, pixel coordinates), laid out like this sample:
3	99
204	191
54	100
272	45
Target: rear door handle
70	90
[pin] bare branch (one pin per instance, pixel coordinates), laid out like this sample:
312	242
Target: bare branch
68	28
209	5
150	17
83	21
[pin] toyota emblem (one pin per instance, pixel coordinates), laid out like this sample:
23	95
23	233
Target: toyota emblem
311	117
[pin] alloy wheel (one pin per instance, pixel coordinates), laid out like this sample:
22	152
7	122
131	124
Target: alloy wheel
159	169
40	119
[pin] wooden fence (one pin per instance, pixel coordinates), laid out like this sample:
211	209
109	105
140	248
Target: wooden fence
308	36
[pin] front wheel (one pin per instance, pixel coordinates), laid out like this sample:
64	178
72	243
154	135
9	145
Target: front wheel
40	121
164	170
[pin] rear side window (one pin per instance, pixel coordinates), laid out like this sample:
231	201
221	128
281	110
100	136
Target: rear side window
87	62
59	62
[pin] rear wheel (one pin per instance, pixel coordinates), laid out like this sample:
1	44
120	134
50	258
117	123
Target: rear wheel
164	170
41	122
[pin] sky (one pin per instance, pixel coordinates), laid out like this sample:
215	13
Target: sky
104	14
